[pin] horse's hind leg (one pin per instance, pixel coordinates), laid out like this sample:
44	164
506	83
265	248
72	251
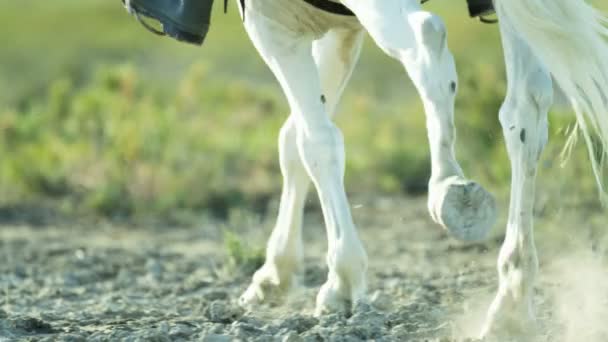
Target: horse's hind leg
335	56
418	40
523	117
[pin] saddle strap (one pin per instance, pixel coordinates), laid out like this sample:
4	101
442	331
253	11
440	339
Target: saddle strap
331	7
340	9
335	7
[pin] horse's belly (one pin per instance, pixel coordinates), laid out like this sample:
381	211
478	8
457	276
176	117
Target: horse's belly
301	18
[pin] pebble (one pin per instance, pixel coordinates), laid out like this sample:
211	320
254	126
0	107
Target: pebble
223	312
155	269
381	301
71	338
292	337
180	331
216	338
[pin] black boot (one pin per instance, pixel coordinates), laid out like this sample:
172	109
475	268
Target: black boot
478	8
184	20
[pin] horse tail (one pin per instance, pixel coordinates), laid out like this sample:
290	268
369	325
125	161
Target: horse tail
570	38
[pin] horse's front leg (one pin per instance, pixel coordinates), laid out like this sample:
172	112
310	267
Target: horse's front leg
418	39
523	117
311	143
462	206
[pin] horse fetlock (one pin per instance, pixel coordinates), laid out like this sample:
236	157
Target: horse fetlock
512	310
346	282
339	295
518	278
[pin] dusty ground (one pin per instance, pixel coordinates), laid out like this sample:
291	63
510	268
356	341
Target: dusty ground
107	283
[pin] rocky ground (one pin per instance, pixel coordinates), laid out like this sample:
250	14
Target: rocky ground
108	282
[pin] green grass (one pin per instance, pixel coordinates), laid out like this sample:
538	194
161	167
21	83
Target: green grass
242	256
97	116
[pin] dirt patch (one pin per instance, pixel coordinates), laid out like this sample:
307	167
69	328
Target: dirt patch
108	283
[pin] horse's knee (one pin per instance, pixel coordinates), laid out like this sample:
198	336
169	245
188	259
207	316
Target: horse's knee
430	63
539	86
430	32
531	91
289	160
287	140
322	149
523	115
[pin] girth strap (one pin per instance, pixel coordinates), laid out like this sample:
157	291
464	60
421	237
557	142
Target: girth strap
336	7
340	9
331	7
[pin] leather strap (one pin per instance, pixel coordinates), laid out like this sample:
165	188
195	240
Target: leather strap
148	26
331	7
325	5
335	7
338	8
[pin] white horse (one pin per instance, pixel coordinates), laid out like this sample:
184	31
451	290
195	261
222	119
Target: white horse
312	54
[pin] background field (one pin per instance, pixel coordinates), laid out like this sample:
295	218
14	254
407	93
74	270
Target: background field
111	137
99	117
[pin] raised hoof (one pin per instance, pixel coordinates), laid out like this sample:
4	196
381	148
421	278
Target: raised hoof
462	207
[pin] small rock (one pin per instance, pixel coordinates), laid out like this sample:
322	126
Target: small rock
20	271
223	312
392	284
180	331
47	339
216	295
155	269
332	319
292	337
366	323
98	337
216	338
245	330
150	336
264	338
362	306
71	338
312	337
163	327
298	323
402	331
71	280
213	328
80	254
381	301
32	325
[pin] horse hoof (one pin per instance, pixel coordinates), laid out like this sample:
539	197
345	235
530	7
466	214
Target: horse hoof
330	300
265	288
462	207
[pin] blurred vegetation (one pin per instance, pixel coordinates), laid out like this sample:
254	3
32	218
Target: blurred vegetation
97	116
242	256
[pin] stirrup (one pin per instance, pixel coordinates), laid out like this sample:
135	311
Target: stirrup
481	9
185	20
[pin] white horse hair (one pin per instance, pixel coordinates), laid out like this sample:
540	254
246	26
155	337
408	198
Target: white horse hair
312	54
